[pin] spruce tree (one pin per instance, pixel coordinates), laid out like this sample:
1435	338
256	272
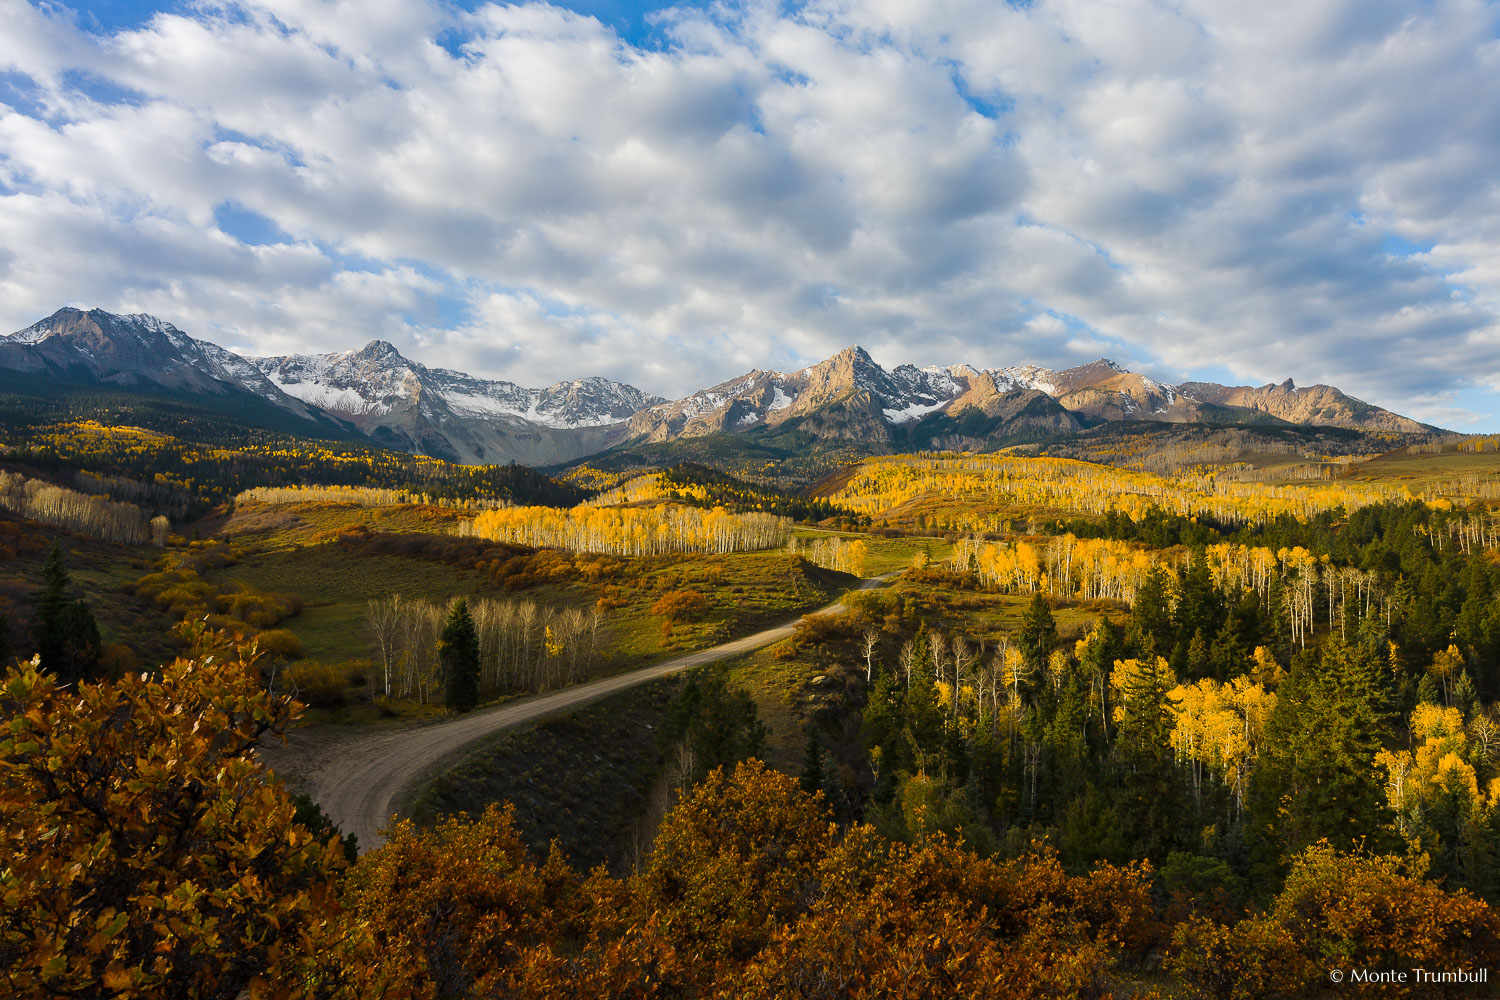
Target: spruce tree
812	762
458	652
1038	631
1150	630
67	637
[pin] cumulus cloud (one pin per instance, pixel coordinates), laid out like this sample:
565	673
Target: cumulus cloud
1299	190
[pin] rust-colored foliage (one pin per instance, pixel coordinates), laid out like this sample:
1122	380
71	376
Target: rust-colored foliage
447	911
750	893
146	853
1339	911
735	857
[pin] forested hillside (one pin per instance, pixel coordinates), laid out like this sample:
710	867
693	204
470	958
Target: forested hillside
1101	732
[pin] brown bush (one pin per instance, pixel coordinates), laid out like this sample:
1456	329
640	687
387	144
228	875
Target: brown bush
680	605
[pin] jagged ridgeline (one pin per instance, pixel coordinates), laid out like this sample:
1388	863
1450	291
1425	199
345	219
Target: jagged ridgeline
763	425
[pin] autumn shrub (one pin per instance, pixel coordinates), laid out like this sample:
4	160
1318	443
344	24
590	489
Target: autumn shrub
257	608
736	857
749	892
1339	911
935	920
1250	960
116	658
449	910
236	606
357	672
816	630
680	605
145	853
312	682
279	644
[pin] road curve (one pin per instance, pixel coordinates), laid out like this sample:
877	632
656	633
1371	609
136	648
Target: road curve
360	779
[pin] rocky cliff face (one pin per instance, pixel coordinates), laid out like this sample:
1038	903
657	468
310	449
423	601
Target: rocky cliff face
1318	404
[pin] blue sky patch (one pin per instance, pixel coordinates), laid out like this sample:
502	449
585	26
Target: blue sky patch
249	227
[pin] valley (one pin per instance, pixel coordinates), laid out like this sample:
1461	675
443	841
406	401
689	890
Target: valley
1181	665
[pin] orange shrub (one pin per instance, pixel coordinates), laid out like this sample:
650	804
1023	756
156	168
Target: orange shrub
1338	911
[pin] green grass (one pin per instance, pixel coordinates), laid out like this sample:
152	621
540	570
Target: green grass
336	585
785	696
746	592
287	525
885	555
1418	472
984	617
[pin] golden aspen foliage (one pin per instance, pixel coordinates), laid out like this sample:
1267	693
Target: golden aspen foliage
631	531
1221	727
975	490
1438	766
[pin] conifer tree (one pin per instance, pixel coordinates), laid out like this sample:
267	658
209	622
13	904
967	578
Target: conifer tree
1038	630
67	637
458	652
812	762
1150	629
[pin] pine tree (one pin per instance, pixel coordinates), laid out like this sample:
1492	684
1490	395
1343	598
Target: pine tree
1198	607
1427	691
458	652
67	637
1317	776
812	762
1150	630
1038	630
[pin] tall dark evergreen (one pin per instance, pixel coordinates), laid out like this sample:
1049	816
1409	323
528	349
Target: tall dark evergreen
1150	630
1317	777
812	762
1038	630
458	652
67	637
717	724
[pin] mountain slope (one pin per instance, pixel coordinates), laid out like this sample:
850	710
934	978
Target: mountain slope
143	354
452	415
1321	405
847	404
135	352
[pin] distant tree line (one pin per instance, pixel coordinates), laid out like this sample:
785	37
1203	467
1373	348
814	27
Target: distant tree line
205	476
520	645
631	531
95	516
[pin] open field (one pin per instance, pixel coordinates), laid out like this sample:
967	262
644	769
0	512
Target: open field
884	555
1450	473
335	587
287	525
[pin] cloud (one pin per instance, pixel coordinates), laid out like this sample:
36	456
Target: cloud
519	191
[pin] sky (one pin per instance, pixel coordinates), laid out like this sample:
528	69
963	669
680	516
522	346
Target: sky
1241	192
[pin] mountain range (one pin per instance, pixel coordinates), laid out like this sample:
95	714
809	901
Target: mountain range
378	393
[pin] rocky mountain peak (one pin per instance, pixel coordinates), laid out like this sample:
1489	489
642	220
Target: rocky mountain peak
381	351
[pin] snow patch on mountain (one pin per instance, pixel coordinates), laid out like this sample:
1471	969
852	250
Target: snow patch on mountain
345	400
912	411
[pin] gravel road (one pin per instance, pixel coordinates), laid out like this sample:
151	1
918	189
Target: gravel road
359	776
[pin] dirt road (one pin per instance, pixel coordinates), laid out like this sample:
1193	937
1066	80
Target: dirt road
359	776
